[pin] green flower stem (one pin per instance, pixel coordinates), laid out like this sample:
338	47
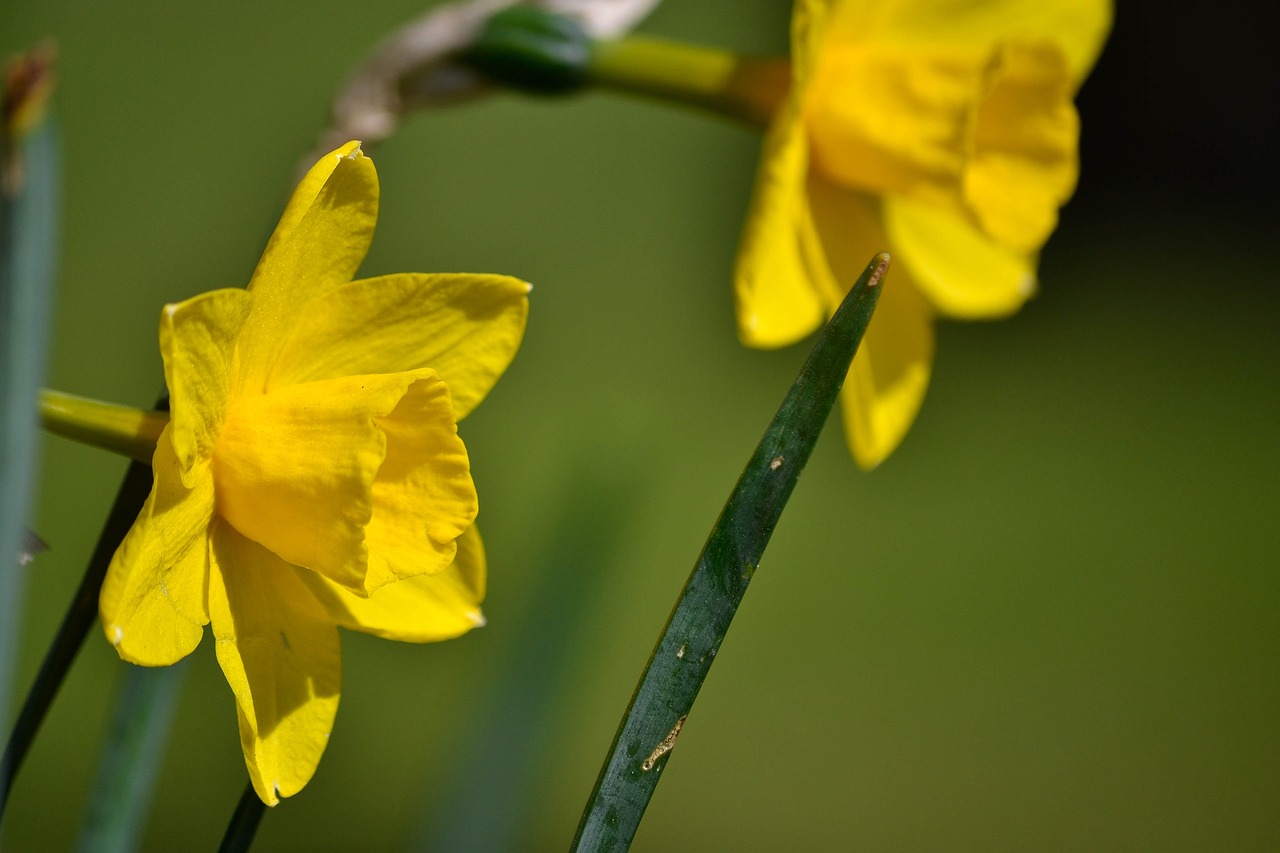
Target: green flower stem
533	50
697	626
75	625
119	429
122	790
740	87
244	822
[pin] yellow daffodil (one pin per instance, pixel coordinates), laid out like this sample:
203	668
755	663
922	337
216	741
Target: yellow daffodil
942	131
311	475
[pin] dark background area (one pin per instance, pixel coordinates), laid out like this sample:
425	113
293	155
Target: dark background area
1180	114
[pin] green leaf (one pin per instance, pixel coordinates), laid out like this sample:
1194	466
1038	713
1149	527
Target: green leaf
482	807
134	750
697	626
28	240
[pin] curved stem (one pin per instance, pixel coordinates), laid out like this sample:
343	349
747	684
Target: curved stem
244	822
75	625
124	787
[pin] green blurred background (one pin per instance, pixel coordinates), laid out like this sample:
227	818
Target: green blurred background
1050	621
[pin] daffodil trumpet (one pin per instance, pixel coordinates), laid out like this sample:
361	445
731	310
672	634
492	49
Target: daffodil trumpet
130	432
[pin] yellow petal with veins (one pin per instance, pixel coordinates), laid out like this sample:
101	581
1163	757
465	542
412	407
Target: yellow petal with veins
890	373
964	272
776	303
152	601
465	327
197	342
280	652
418	610
318	245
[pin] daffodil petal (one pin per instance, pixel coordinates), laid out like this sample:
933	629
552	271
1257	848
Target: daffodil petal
890	374
302	470
809	21
152	601
1079	26
305	193
848	235
465	327
418	610
776	303
280	653
197	342
318	245
964	272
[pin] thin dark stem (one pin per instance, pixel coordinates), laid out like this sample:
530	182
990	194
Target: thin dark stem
75	625
244	822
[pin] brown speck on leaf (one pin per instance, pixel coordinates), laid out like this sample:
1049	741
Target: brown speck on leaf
882	264
668	744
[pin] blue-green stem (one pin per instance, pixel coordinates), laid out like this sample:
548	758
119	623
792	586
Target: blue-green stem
30	218
123	788
698	624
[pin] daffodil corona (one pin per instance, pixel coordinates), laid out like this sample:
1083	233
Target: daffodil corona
941	131
311	475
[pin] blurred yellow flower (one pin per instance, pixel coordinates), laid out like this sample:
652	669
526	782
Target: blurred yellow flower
311	475
941	130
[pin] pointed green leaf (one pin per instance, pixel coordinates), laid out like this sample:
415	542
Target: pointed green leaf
131	756
29	218
697	626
